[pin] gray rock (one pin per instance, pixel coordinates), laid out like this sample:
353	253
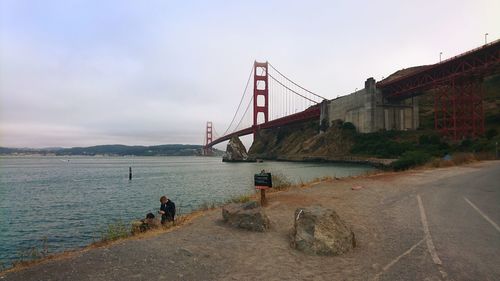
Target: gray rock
321	231
248	216
185	252
250	205
235	151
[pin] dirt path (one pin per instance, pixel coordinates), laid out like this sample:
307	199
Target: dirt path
384	215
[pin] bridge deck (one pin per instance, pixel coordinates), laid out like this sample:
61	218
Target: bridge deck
481	61
310	113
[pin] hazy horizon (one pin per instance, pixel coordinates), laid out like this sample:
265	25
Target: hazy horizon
110	144
85	73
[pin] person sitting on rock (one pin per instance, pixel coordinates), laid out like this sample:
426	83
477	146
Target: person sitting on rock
167	210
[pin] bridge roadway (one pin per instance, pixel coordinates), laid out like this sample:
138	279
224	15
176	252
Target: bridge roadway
312	112
476	63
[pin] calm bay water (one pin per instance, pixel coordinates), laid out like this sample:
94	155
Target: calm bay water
70	200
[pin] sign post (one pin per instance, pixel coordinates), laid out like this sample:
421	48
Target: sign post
263	181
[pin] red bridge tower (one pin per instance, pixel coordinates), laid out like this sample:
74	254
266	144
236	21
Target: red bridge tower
208	139
260	94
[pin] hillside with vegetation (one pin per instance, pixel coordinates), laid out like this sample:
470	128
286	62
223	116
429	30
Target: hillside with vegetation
340	141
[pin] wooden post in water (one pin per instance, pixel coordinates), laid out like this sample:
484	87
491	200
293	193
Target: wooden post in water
129	173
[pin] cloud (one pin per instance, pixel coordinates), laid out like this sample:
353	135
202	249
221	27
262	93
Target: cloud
93	72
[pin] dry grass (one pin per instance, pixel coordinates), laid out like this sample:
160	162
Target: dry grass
280	181
240	199
439	163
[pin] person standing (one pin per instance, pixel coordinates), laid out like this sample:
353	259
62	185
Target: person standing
167	210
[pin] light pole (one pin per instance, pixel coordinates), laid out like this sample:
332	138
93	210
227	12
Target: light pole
486	38
440	54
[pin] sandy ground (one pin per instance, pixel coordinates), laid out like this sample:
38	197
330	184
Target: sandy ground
384	216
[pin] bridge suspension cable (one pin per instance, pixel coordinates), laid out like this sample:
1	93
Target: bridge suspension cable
241	101
243	116
292	90
284	76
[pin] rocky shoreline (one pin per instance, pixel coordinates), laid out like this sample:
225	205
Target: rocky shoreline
383	164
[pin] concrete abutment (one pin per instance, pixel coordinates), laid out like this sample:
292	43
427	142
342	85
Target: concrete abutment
370	112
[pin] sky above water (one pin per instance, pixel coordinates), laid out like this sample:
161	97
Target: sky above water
81	73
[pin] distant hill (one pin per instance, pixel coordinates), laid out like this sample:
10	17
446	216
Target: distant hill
114	149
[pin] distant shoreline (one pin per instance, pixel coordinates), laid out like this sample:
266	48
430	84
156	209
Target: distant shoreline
113	150
100	155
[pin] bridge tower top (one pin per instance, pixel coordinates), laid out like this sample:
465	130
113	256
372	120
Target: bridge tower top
260	93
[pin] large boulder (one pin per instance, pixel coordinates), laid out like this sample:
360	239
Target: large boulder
321	231
235	151
248	216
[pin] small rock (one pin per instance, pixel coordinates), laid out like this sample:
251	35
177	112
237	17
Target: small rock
250	205
321	231
185	252
241	216
357	187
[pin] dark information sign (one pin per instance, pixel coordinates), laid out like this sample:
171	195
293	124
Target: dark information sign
263	179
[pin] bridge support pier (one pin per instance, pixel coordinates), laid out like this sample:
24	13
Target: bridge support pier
458	109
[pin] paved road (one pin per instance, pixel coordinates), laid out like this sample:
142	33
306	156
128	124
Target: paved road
459	220
464	216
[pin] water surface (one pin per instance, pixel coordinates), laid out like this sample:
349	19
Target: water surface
70	200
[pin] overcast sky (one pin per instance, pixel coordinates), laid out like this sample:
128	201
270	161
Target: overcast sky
80	73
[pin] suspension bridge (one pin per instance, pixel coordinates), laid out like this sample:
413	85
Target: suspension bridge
456	85
274	100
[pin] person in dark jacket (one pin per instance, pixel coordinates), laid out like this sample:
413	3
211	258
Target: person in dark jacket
167	210
148	223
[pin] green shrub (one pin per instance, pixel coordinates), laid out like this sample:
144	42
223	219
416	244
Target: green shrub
410	159
429	139
115	231
379	146
491	133
493	119
348	126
